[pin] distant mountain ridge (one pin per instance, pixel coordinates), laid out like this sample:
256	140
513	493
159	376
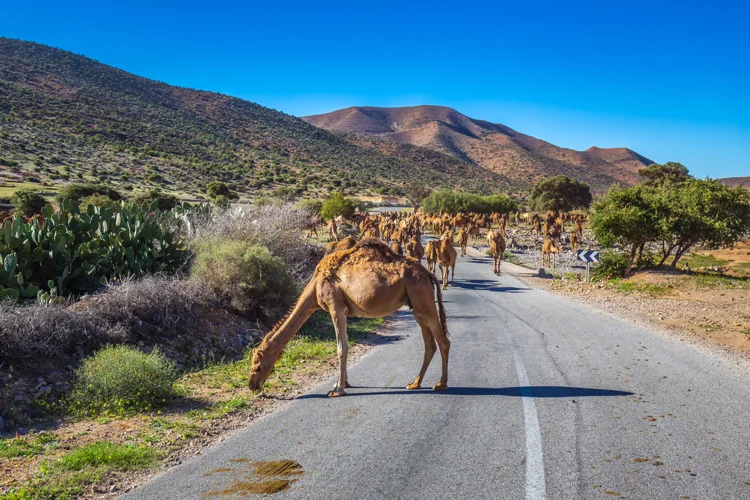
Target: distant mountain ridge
736	181
65	117
521	158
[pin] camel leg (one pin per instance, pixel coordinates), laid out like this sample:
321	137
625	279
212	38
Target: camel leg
429	351
445	346
338	316
453	275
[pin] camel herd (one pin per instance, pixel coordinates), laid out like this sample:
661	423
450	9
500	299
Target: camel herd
379	270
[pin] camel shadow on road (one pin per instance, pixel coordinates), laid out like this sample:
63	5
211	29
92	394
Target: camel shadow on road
537	391
488	285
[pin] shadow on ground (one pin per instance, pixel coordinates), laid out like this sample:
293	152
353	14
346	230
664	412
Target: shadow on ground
538	391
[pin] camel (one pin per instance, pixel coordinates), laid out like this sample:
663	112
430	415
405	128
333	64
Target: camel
463	240
333	231
367	281
549	251
578	228
574	241
414	248
430	252
336	246
497	247
312	225
474	232
447	259
397	248
537	228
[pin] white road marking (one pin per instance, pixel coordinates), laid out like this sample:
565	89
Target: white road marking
536	486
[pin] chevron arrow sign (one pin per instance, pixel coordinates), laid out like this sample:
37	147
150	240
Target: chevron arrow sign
588	255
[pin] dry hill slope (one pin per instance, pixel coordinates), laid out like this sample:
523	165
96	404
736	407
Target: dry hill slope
522	158
65	117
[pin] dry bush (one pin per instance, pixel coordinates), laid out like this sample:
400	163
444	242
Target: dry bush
127	312
251	279
280	228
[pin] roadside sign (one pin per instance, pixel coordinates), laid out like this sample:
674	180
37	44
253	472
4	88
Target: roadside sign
588	255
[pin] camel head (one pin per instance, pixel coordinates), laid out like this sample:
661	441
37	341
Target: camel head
260	369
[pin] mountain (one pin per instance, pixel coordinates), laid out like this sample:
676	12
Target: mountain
65	117
521	158
736	181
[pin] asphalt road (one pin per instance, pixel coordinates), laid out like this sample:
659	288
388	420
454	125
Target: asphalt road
548	399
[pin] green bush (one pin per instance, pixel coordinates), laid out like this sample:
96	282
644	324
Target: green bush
165	201
611	265
28	202
219	193
453	202
337	205
78	191
314	206
248	276
98	200
121	380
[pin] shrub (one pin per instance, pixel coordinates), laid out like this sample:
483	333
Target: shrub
28	202
560	193
78	191
278	227
133	310
98	200
611	265
249	277
337	205
166	201
454	202
219	193
121	380
314	206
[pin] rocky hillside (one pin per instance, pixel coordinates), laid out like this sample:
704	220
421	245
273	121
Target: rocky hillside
65	117
522	159
736	181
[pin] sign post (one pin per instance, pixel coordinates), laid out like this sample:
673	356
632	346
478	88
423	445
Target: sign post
588	256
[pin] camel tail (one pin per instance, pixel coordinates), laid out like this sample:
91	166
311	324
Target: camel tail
441	308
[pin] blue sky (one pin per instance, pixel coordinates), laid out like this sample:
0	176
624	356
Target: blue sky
670	80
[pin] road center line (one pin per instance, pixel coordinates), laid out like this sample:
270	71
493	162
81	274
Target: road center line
536	485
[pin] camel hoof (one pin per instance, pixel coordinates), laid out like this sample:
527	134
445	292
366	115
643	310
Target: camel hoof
413	386
336	394
346	386
440	387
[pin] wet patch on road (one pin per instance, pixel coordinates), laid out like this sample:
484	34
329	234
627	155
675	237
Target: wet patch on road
259	478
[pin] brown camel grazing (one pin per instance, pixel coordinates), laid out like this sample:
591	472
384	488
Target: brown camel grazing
367	281
463	240
447	259
497	247
430	253
549	251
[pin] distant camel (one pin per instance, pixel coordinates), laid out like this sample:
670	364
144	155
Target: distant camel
549	252
447	259
497	248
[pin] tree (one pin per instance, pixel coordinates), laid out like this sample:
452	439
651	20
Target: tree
706	212
28	202
415	192
337	205
628	218
560	193
219	193
666	174
453	202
